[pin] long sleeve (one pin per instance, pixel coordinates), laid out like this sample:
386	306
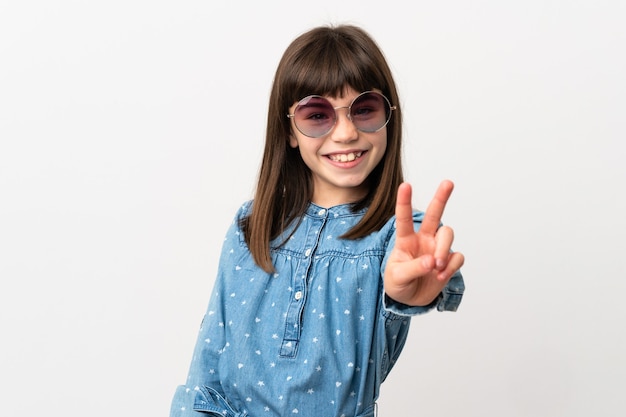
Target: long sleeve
203	384
203	371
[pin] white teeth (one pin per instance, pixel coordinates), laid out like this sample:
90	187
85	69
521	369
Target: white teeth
346	157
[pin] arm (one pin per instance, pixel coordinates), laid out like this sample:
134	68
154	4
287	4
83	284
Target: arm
202	390
203	370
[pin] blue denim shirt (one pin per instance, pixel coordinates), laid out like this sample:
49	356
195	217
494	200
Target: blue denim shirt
314	339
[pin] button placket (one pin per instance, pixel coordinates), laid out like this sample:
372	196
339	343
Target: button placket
291	339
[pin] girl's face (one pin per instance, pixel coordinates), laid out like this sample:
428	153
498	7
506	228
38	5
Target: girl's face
341	160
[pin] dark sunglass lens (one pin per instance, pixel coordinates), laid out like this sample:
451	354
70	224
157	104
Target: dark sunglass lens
314	116
370	112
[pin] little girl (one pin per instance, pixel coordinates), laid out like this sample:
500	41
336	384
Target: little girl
320	273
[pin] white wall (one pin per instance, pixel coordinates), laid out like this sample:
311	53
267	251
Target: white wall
130	131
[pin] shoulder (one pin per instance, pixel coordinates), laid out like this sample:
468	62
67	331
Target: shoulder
244	210
239	217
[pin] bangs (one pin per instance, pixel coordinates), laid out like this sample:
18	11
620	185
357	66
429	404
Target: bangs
328	68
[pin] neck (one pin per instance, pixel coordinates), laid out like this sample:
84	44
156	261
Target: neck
334	197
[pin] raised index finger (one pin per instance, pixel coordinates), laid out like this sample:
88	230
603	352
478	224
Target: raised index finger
404	211
434	212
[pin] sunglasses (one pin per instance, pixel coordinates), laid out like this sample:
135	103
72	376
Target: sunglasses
314	116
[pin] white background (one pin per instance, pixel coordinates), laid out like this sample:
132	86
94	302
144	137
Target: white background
130	132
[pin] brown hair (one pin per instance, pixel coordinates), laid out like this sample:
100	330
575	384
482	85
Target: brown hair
324	61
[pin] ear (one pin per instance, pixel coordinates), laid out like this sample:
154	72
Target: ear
293	141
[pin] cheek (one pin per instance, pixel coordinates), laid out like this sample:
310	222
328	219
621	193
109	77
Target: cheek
382	144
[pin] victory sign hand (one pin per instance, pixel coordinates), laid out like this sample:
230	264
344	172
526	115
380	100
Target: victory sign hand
421	263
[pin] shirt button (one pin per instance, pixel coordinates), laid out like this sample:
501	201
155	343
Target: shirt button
322	212
298	295
307	252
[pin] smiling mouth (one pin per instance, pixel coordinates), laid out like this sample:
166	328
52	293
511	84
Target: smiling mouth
345	157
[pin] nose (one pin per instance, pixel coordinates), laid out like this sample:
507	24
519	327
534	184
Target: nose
344	129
